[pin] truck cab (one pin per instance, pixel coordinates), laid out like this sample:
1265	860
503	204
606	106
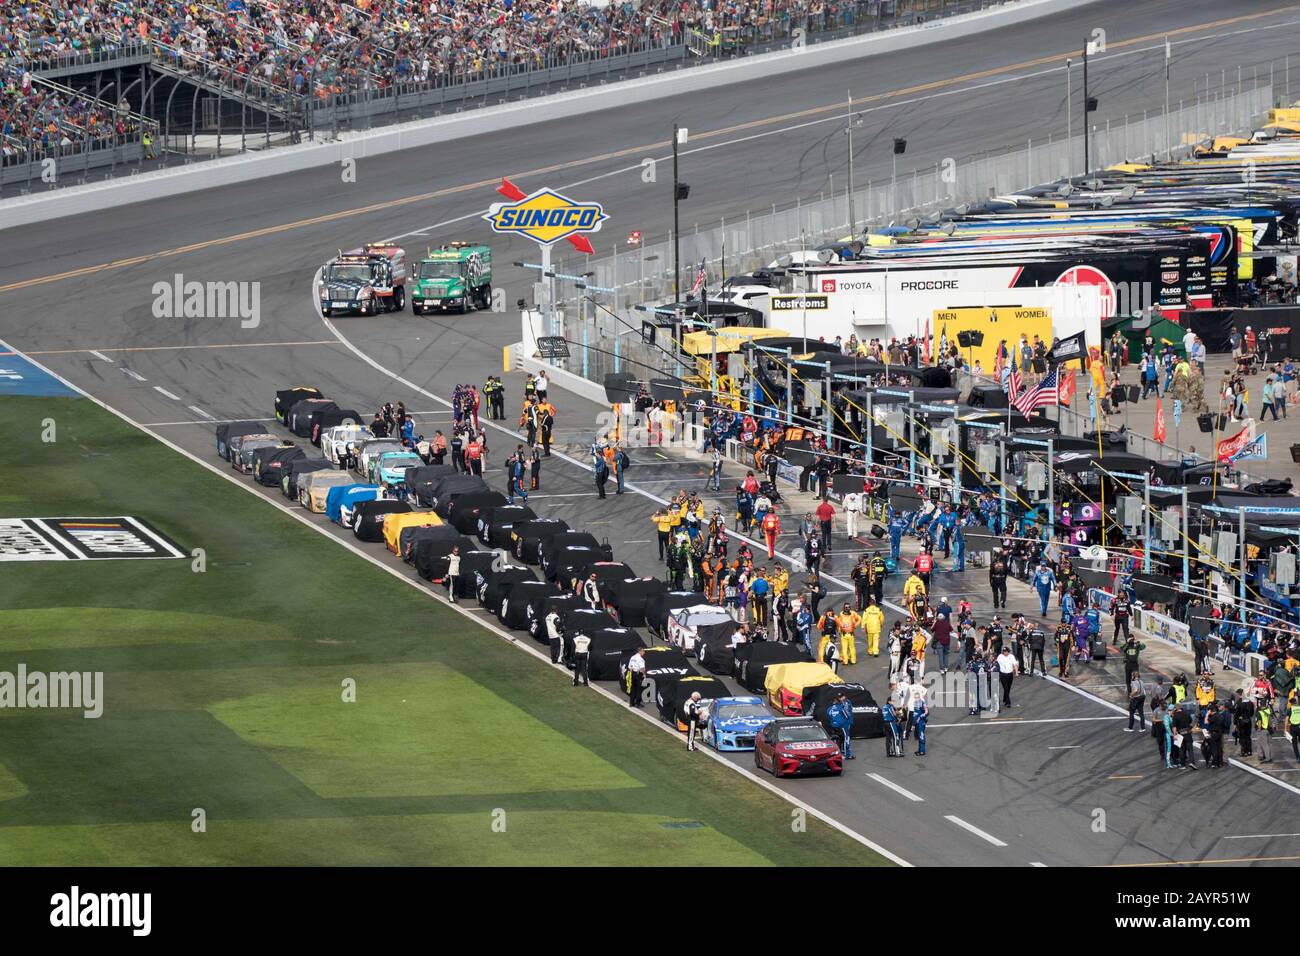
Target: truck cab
456	277
364	281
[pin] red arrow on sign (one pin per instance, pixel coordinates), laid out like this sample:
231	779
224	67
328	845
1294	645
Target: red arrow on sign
514	194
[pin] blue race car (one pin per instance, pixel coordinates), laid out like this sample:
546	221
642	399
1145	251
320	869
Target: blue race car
734	722
340	501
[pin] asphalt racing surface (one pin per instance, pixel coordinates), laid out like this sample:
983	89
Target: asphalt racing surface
78	295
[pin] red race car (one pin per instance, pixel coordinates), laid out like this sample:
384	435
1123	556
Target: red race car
797	745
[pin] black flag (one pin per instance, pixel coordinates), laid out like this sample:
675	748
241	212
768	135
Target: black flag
1068	349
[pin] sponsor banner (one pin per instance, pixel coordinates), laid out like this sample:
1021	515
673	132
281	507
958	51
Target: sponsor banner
1256	450
77	539
799	302
1163	628
1228	656
1230	448
1103	599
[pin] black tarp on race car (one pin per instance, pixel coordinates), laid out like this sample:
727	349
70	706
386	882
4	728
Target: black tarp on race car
421	480
607	573
753	660
296	469
566	539
663	665
539	607
671	696
300	413
513	612
657	607
867	721
608	646
225	432
497	582
526	537
446	491
578	617
330	418
627	598
268	469
1072	462
431	553
472	566
465	509
409	538
565	561
286	398
494	524
368	517
688	625
716	654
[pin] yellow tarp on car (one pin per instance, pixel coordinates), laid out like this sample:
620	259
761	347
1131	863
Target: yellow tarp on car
786	683
394	523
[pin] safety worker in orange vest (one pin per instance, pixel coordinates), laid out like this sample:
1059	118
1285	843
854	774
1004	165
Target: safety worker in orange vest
848	624
771	529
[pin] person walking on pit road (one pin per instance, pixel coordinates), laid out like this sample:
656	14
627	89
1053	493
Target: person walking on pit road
1137	696
998	579
635	676
581	657
1131	650
1006	662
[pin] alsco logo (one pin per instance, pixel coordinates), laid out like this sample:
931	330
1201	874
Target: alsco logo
546	217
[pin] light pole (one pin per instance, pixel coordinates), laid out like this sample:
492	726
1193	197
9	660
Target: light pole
1089	106
680	192
848	131
900	147
1069	115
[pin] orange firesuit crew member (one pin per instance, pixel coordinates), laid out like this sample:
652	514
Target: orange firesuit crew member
771	529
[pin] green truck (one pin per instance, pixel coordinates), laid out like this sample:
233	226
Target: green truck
457	277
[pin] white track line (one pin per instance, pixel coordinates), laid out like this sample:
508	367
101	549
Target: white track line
1259	836
306	519
102	357
1013	721
1043	865
973	829
126	371
162	391
198	411
202	421
896	788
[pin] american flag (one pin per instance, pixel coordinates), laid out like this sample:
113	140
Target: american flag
1014	384
1042	395
698	284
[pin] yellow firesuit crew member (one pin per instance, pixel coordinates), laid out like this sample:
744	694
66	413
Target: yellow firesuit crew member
829	625
780	579
913	590
873	621
847	622
664	525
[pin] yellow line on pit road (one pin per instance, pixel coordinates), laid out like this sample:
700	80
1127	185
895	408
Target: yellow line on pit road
178	348
617	154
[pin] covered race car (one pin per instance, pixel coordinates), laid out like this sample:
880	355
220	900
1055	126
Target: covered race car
242	448
787	683
497	581
420	481
689	625
368	517
314	488
527	537
228	431
269	463
577	617
391	467
394	523
867	721
734	722
473	565
330	418
286	398
663	665
447	490
547	549
299	419
565	562
753	660
339	443
658	606
716	653
671	696
793	746
609	645
297	470
519	596
340	501
465	509
540	606
494	524
432	548
409	537
627	598
369	450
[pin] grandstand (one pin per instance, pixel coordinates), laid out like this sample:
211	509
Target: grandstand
103	80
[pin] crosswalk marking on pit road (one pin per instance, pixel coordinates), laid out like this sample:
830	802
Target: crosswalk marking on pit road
896	788
973	829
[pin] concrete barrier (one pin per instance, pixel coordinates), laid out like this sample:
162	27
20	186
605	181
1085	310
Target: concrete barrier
215	174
